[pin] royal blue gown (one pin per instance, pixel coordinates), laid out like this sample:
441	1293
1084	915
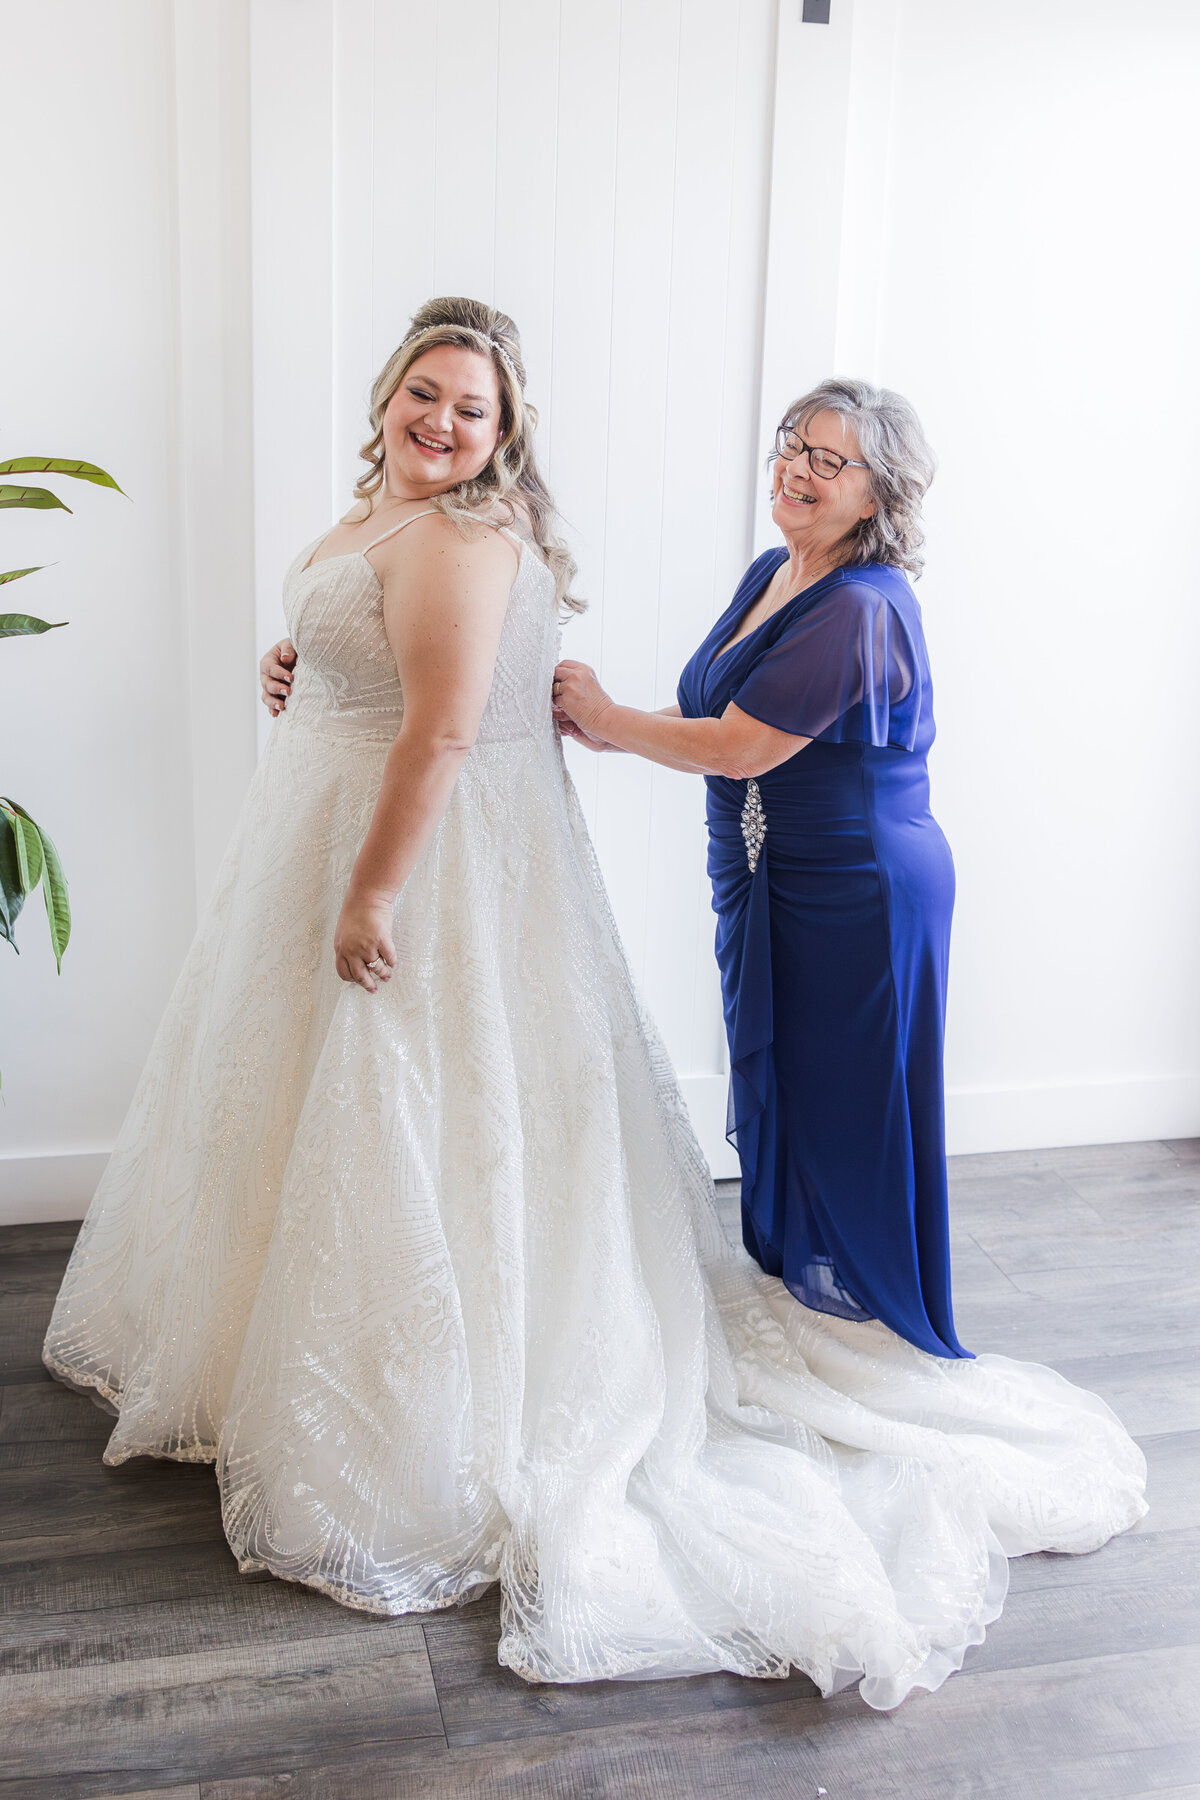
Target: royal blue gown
833	951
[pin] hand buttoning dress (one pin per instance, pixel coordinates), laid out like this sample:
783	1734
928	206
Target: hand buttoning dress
434	1276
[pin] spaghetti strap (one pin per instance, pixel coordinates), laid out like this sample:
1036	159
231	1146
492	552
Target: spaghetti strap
428	513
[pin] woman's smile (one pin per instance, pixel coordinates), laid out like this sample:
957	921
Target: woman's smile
796	497
447	411
430	446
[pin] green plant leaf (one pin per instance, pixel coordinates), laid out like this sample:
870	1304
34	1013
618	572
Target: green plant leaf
41	499
29	848
16	574
23	625
55	465
58	904
54	882
12	896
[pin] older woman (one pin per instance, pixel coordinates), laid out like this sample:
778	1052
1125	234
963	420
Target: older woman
808	709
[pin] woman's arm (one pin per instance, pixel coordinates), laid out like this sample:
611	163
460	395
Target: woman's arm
444	601
735	745
578	735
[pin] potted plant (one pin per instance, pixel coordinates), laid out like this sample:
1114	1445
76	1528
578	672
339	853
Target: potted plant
27	855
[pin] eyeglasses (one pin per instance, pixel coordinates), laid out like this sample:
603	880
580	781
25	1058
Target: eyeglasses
825	463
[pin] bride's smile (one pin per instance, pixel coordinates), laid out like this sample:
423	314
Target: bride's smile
442	424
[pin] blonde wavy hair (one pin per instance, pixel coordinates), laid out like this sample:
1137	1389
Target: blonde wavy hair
511	480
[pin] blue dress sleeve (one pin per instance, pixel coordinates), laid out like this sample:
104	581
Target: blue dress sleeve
846	670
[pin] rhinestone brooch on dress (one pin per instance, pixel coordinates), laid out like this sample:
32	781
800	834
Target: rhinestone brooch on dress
754	824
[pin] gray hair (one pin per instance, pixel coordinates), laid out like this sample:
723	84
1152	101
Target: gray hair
900	466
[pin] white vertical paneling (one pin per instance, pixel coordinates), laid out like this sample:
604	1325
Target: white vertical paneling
292	164
96	717
710	415
402	169
955	240
584	228
353	235
867	195
1039	289
600	174
216	485
647	99
679	941
742	447
464	179
741	450
527	115
808	174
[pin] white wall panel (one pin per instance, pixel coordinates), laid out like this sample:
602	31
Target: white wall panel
978	234
214	446
713	462
644	193
464	137
978	205
352	228
292	175
529	104
599	173
95	717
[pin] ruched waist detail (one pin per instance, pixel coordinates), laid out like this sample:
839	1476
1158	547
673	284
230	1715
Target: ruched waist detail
744	955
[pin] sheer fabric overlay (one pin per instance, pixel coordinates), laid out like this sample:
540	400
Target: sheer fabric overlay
435	1277
840	666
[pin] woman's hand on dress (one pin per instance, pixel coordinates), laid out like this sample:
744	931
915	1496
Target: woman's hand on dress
577	694
275	673
569	729
363	948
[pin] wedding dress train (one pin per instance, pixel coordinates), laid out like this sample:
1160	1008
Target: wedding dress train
434	1276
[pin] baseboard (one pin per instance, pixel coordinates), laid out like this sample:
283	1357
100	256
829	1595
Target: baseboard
1092	1112
37	1190
1006	1118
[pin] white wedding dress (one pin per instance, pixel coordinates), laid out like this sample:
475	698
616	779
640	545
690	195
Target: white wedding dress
435	1278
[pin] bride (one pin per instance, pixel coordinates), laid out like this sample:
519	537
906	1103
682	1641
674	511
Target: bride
406	1230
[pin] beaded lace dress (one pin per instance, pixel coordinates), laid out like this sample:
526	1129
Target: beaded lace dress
435	1278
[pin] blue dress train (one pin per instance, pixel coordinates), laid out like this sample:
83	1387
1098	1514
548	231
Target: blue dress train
833	949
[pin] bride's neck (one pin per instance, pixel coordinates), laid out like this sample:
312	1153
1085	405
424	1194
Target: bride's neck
396	492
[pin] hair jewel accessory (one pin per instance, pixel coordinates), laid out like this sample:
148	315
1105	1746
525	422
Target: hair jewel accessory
504	357
495	343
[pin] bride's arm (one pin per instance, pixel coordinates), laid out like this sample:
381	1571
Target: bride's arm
444	601
735	745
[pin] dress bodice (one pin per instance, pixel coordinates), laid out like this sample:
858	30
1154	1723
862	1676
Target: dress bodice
346	683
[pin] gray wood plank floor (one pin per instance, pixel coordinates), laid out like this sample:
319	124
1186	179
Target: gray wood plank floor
135	1661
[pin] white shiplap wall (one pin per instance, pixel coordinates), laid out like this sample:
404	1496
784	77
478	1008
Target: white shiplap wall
951	211
974	233
600	172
